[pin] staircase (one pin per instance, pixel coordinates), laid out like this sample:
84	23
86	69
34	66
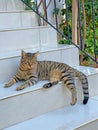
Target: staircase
35	107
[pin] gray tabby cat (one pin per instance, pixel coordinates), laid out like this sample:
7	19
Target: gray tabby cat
31	71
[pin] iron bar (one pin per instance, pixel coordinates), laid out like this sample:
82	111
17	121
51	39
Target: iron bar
56	18
36	5
37	10
45	10
79	20
93	59
66	2
49	3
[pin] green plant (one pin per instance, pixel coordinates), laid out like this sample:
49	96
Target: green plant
65	26
31	4
87	31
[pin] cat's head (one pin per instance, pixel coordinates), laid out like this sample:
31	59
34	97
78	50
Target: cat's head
28	60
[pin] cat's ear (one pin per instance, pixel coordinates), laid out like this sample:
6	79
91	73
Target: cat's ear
23	54
35	54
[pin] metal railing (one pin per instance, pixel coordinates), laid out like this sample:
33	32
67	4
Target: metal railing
41	8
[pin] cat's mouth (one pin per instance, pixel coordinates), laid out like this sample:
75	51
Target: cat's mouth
29	64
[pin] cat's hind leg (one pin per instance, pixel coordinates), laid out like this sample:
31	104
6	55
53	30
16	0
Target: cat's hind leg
55	76
68	79
50	84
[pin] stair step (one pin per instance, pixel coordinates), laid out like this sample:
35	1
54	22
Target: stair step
27	38
78	117
17	19
35	101
11	59
92	74
11	5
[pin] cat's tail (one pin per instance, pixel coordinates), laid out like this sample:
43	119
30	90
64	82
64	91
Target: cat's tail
84	82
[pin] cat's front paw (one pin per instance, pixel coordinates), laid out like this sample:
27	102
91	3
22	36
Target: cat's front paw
20	87
10	83
7	85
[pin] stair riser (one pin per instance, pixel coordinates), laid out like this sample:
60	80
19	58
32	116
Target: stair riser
27	38
35	103
10	5
26	105
78	117
22	107
89	126
9	66
17	20
92	85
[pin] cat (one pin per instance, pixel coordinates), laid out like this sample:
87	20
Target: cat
31	71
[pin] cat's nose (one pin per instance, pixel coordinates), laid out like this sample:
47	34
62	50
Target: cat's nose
29	64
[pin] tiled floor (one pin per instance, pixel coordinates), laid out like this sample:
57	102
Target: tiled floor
67	118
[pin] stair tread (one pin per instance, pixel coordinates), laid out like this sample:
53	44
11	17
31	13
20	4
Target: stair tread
43	101
40	49
67	118
87	70
17	20
9	92
23	28
16	11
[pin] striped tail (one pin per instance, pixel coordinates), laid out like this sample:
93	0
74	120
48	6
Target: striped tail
84	82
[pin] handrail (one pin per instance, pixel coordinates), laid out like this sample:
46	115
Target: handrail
59	32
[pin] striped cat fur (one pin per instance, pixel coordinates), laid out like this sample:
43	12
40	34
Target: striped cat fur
31	71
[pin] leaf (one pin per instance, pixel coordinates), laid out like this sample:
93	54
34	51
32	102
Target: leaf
56	11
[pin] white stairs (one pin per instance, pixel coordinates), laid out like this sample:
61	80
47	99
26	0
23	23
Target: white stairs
35	107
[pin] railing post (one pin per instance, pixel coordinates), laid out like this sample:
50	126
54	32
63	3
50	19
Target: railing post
74	20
